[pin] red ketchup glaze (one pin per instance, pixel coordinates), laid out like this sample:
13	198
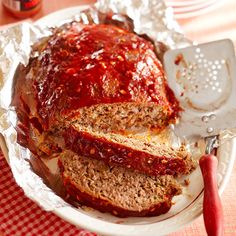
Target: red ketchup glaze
83	65
87	145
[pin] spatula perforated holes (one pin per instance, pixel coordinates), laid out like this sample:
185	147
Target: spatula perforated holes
201	74
213	107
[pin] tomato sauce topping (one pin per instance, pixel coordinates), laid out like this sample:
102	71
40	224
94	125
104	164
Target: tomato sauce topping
84	65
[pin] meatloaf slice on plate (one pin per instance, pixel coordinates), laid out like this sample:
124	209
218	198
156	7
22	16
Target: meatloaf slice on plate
114	189
127	151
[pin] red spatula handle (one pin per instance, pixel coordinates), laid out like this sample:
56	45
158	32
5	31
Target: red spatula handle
212	208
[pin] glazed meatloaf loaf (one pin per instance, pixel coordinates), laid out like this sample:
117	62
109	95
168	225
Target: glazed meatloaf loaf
85	88
129	151
99	76
114	189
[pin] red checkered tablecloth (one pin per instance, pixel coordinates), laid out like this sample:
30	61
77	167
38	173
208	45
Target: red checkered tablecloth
19	216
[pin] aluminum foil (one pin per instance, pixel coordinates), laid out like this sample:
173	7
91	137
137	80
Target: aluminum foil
150	17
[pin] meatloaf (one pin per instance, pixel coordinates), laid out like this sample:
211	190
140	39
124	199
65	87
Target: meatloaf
100	76
114	189
128	151
94	84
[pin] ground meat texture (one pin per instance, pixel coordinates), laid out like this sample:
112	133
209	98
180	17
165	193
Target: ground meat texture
114	189
122	117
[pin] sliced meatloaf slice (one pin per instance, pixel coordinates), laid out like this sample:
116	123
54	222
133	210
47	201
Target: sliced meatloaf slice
127	151
114	189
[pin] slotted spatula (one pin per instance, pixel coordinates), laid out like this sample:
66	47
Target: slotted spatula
203	78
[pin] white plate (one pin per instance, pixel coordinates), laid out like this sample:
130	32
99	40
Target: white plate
187	207
184	3
188	12
197	7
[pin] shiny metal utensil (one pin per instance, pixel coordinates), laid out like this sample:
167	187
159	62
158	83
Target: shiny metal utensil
203	78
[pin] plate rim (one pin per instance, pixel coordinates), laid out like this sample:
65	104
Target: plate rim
198	12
